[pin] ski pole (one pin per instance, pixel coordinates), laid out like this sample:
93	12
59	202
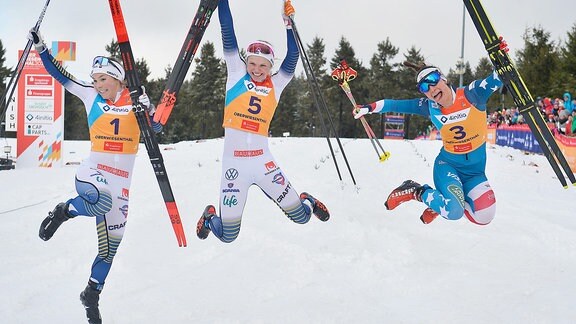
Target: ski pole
20	66
344	73
319	101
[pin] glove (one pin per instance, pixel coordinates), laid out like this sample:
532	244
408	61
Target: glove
37	40
145	101
503	45
362	110
287	13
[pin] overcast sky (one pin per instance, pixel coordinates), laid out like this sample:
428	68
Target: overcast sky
157	28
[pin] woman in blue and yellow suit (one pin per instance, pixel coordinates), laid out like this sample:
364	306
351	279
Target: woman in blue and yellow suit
462	187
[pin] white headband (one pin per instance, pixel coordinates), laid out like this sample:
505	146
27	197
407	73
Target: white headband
112	68
427	71
269	57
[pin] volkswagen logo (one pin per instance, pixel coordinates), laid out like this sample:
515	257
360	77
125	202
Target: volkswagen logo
231	174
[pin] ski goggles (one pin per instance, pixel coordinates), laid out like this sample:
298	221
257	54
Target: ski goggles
431	79
106	65
100	61
260	48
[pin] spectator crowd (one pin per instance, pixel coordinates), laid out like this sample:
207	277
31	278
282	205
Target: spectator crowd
557	111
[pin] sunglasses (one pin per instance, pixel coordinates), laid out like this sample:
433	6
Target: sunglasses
259	48
100	61
431	79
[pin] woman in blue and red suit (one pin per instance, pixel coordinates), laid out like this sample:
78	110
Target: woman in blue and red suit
252	94
103	179
459	170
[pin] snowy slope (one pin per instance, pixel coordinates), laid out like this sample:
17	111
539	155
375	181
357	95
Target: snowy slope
366	265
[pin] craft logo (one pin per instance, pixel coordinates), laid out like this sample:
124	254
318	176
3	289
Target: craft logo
117	226
284	193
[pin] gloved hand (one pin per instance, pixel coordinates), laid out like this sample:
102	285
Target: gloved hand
503	45
37	40
145	101
287	13
362	110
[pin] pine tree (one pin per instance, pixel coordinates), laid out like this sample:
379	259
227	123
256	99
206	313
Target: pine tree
340	106
381	81
207	93
567	73
285	116
538	61
307	112
4	71
453	76
413	124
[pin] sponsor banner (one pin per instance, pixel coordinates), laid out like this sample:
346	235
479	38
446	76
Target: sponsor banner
394	133
394	120
519	137
11	110
567	145
40	111
491	135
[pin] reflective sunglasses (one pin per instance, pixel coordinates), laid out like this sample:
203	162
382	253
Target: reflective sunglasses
259	48
100	61
431	79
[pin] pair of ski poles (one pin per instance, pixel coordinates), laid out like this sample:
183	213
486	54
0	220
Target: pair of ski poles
344	73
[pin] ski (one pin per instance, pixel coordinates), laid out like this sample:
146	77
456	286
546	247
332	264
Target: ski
342	74
319	101
520	94
13	83
148	135
185	57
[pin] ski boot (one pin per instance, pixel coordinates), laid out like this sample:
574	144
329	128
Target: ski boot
202	228
89	298
408	190
428	216
55	218
318	208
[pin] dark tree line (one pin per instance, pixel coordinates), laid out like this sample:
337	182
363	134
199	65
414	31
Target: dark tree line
547	66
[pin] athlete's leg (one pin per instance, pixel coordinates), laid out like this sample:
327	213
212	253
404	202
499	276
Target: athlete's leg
94	199
448	197
274	183
480	201
110	227
94	196
234	185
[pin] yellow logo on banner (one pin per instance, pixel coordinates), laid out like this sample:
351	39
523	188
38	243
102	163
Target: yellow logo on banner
64	50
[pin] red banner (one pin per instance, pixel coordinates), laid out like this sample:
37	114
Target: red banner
40	126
